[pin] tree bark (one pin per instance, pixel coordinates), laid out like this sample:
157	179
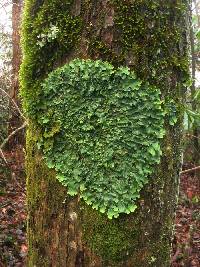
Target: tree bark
195	130
15	120
149	37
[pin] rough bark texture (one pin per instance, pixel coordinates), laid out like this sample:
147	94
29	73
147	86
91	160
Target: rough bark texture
15	120
150	37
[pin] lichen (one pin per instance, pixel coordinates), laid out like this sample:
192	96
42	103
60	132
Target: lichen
101	131
150	37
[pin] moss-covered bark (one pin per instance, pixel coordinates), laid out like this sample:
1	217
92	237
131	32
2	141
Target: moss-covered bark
150	37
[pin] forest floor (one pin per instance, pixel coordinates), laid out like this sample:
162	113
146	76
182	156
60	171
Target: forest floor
13	246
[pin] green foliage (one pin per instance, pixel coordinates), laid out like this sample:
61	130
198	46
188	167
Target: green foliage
191	116
101	131
171	111
196	29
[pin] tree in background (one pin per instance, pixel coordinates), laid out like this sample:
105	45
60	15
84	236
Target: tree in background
5	72
192	114
10	63
15	119
195	53
150	38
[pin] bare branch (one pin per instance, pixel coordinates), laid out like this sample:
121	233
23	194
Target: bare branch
190	170
18	184
193	136
14	103
3	157
12	134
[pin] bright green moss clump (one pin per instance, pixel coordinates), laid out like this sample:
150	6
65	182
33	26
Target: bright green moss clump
101	131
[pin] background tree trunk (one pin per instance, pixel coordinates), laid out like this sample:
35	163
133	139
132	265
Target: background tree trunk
15	120
194	57
149	37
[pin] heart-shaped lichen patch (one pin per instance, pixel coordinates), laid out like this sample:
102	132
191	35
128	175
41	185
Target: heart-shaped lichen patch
101	130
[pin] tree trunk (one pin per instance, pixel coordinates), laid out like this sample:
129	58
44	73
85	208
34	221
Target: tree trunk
149	37
195	130
15	120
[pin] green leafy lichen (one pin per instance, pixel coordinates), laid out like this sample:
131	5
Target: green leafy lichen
149	36
52	35
101	131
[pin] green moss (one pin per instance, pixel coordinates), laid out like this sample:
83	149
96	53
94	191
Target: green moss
41	198
98	47
129	239
109	239
35	167
41	59
149	36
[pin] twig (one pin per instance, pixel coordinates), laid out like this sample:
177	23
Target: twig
190	170
8	138
14	103
5	205
3	157
191	135
13	133
18	184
